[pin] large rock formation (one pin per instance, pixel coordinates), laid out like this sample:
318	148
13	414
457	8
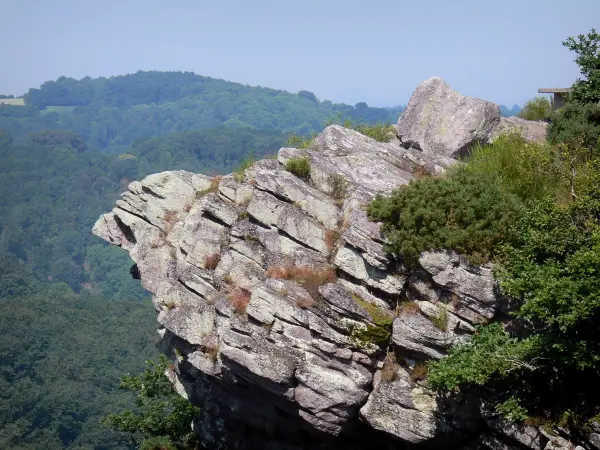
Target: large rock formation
442	121
291	325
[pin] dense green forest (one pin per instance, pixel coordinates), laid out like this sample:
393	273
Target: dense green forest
61	357
533	209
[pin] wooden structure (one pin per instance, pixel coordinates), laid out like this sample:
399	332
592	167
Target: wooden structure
559	95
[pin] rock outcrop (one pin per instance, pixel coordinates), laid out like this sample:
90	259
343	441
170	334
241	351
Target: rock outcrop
291	325
529	129
442	121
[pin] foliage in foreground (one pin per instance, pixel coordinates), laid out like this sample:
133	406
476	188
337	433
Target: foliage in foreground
162	417
529	170
491	353
577	125
539	108
473	209
534	209
551	273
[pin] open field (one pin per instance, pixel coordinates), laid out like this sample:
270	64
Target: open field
12	101
57	109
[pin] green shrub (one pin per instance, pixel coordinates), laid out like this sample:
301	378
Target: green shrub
539	108
381	132
441	320
529	170
299	166
549	273
491	353
161	414
512	409
587	49
552	271
238	174
466	212
547	265
157	443
576	124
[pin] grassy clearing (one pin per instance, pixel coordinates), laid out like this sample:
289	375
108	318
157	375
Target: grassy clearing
12	101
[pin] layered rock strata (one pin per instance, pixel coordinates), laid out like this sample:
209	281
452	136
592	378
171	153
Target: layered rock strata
291	325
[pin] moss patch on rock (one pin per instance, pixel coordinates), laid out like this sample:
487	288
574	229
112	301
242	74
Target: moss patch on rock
378	333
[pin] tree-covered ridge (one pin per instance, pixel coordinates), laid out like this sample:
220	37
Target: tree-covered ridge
112	113
541	229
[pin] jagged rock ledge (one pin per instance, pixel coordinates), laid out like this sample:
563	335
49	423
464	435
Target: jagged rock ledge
283	309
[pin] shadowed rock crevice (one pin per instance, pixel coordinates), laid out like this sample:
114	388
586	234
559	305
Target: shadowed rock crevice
124	229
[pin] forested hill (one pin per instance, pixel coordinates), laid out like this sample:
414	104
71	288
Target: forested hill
112	113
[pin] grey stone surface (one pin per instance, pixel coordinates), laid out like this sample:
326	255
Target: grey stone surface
529	129
525	435
439	120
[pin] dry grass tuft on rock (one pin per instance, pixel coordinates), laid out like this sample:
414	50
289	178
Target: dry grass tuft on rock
331	238
214	185
211	352
239	174
419	372
407	308
160	241
310	278
212	261
305	302
239	298
170	303
188	206
171	218
423	172
338	185
390	368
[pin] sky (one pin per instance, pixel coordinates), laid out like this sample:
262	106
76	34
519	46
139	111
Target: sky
342	50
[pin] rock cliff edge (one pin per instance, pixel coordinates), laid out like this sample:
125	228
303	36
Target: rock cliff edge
291	325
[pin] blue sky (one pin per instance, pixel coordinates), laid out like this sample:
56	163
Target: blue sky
342	50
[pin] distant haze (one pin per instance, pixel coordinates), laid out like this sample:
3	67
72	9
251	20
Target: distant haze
346	51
